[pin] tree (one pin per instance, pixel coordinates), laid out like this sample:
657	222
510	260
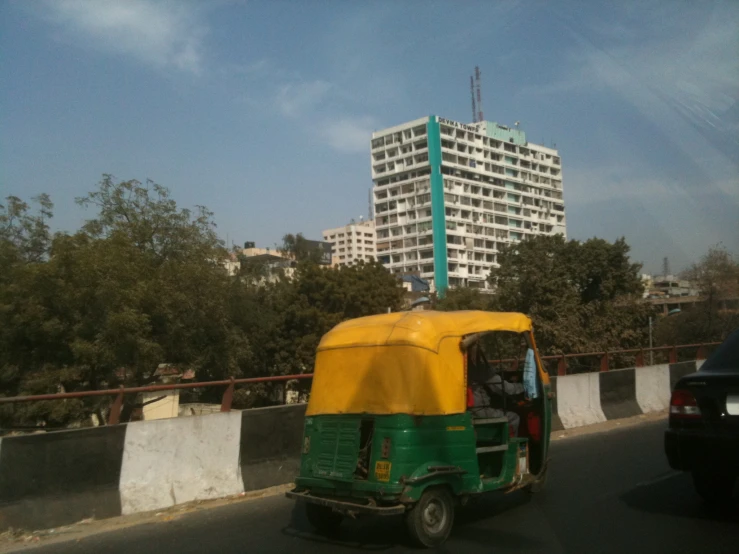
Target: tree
716	276
464	298
140	284
298	248
582	296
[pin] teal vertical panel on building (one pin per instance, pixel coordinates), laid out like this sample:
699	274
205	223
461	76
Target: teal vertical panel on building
438	216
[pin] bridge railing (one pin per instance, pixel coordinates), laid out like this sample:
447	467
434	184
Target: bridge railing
559	365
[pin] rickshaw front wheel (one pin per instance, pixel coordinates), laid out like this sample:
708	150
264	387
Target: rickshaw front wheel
322	518
430	520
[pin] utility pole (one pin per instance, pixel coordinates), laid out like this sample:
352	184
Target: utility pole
651	352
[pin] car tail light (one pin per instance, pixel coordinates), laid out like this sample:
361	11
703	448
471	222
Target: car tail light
684	405
470	398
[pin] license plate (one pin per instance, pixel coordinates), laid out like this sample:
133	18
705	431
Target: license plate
732	404
382	471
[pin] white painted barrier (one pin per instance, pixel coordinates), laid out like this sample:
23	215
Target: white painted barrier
578	400
653	388
171	461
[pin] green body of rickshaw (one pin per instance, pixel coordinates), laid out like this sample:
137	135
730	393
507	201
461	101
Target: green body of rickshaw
389	429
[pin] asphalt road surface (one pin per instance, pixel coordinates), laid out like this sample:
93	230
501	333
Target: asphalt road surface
608	492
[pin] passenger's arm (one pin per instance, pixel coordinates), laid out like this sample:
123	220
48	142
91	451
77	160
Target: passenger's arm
497	385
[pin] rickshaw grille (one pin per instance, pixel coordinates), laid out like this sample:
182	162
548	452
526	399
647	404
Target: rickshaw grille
339	449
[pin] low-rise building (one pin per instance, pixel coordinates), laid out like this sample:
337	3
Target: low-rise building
352	243
669	286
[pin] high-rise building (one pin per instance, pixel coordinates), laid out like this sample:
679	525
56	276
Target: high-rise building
448	196
352	242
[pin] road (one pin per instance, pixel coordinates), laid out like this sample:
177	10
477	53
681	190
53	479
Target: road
607	492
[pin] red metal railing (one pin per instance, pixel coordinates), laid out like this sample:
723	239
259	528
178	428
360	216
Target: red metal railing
230	384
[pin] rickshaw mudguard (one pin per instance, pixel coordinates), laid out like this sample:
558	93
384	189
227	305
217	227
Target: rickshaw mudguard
435	474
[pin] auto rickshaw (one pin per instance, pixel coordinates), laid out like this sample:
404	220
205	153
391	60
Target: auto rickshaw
391	426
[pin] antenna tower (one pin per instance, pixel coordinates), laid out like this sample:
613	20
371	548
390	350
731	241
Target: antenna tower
474	106
666	266
478	86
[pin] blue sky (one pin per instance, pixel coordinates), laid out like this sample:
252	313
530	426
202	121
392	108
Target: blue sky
262	111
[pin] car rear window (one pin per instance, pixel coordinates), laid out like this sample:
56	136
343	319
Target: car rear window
726	356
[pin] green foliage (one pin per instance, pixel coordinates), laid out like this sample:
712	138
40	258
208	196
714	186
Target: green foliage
582	296
143	283
140	284
464	299
298	248
716	277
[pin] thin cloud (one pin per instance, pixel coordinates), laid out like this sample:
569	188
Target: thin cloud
160	34
296	98
349	134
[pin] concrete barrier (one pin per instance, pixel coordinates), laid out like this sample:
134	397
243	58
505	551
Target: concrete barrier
578	400
653	388
50	479
271	440
557	424
171	461
57	478
618	393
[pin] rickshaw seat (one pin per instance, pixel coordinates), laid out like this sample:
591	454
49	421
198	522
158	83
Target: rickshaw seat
496	448
489	420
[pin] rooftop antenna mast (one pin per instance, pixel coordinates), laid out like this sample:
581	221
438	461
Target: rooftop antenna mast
474	106
666	267
478	86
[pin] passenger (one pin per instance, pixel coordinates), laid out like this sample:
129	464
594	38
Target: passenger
487	389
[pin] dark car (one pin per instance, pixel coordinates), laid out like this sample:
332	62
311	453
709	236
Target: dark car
703	433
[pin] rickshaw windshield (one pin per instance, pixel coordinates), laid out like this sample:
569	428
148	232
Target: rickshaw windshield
407	362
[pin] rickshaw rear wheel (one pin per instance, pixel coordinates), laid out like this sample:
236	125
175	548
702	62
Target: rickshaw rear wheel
430	520
322	518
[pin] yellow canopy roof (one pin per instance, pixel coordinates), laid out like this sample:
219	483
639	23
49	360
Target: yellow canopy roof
423	329
400	363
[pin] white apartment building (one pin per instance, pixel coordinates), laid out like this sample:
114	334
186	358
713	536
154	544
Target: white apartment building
448	196
352	242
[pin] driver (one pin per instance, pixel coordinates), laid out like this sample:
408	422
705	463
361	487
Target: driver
488	388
